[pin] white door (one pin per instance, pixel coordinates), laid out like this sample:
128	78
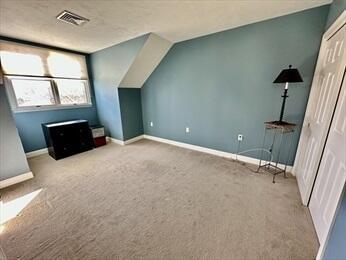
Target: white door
322	101
331	175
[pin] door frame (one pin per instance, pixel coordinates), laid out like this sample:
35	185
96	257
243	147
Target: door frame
334	28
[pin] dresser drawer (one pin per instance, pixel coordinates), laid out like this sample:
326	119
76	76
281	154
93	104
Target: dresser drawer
63	150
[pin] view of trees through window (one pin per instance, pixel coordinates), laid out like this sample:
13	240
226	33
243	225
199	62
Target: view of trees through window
33	92
49	92
71	92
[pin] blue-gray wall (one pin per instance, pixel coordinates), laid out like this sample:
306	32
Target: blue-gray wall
108	68
220	85
131	112
12	157
336	8
336	248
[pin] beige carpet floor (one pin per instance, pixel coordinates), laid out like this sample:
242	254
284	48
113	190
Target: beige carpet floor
149	200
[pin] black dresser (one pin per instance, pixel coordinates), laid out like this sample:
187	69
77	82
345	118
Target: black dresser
67	138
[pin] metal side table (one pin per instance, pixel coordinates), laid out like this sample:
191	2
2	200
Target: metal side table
279	130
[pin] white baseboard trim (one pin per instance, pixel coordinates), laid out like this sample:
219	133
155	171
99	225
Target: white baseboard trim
121	142
36	153
109	139
16	179
135	139
209	151
116	141
175	143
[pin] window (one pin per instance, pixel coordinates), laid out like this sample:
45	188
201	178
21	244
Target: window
33	92
39	79
72	92
28	94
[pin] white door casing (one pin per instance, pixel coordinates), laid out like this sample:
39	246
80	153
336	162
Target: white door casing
322	100
332	172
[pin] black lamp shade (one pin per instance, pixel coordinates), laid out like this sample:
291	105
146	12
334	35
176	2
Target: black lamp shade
288	75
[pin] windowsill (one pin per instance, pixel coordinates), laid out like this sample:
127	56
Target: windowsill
49	108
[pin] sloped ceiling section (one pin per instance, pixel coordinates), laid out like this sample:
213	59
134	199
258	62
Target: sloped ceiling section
151	54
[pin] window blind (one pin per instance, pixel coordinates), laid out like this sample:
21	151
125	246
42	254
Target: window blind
27	60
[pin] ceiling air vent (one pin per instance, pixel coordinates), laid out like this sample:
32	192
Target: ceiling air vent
72	18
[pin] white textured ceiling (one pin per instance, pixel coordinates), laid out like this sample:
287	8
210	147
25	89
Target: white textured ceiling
112	22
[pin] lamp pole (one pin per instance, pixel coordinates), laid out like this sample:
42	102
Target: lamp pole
284	96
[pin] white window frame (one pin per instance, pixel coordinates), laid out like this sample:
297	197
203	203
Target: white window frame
17	109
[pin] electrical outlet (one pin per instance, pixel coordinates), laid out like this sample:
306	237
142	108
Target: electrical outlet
151	124
240	138
187	129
